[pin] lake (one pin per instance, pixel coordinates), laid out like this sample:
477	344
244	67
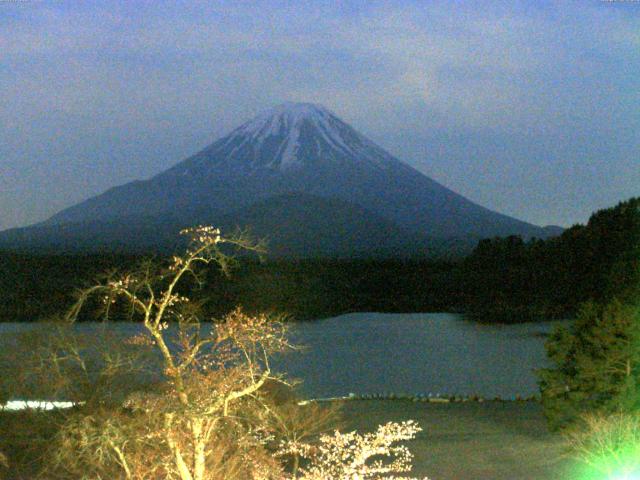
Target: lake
437	353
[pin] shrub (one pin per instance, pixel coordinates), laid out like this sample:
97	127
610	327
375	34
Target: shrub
610	444
353	456
596	364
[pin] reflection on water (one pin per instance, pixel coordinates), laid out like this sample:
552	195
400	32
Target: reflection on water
416	353
436	353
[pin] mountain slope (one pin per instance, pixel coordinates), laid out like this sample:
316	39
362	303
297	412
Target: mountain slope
296	148
332	228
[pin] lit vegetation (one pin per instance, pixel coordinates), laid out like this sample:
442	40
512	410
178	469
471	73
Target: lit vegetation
609	444
177	398
355	456
596	364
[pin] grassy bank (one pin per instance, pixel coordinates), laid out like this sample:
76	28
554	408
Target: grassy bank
490	440
474	441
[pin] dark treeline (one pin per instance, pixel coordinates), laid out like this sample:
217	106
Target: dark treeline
308	289
34	287
509	280
503	280
38	286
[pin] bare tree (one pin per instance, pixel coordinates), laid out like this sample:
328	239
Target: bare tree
199	415
354	456
181	398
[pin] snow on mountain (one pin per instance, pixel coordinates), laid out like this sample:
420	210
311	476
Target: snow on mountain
289	137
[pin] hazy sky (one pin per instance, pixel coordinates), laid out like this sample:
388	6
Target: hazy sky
529	108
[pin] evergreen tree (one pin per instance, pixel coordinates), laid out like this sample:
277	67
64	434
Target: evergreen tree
596	364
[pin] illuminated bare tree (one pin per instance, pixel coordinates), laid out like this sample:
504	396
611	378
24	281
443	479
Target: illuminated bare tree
212	377
355	456
209	409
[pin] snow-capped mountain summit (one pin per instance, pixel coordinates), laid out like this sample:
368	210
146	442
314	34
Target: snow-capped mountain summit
296	168
289	137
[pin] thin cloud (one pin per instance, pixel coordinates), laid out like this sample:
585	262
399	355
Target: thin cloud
141	88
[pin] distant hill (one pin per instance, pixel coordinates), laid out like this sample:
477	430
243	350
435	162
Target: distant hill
297	174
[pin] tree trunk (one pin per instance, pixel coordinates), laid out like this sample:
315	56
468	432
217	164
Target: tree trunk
296	465
181	465
199	457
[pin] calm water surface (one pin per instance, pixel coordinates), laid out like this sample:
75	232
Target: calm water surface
438	353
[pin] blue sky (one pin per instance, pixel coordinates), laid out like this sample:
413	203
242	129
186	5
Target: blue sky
529	108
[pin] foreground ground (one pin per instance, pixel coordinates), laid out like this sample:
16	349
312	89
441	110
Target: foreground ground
459	441
474	441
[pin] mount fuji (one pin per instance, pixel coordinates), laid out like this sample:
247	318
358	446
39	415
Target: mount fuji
296	173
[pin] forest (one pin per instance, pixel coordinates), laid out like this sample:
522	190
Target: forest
504	280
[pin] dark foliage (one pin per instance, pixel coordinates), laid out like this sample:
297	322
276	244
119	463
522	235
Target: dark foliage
503	280
509	280
595	364
33	287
